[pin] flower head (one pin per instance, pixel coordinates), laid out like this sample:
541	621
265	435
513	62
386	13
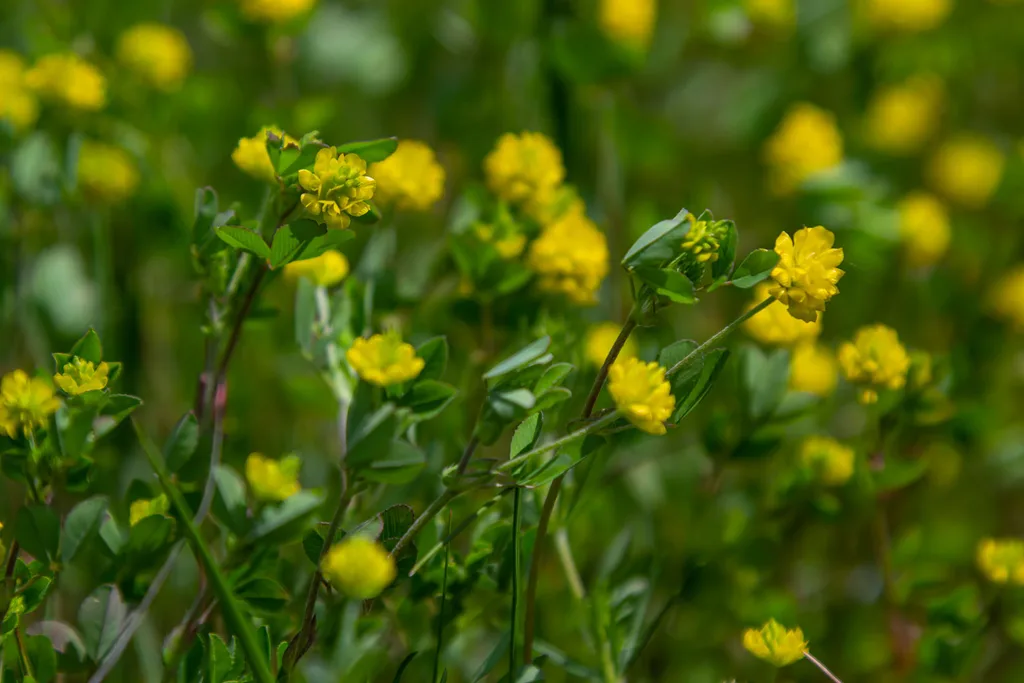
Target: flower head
806	143
25	403
774	326
325	270
18	105
80	376
548	205
813	369
900	118
703	239
273	480
252	157
967	169
359	567
776	13
924	228
642	394
908	16
828	461
69	79
411	178
570	257
158	54
874	360
1002	560
148	507
384	359
1006	300
274	11
807	272
337	188
523	166
630	22
106	174
600	339
775	644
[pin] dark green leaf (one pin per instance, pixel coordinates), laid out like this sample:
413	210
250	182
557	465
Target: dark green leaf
218	660
676	352
764	377
88	347
369	439
668	283
292	239
243	238
755	267
263	594
434	353
229	505
692	383
181	444
550	398
83	520
520	359
43	657
35	592
313	542
278	524
526	434
428	398
552	377
37	529
660	244
371	150
726	252
899	473
298	159
400	465
402	667
100	618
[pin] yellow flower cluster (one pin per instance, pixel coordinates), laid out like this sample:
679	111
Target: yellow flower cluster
524	166
924	228
68	79
26	403
251	156
570	257
808	271
906	15
901	118
549	205
411	179
274	11
630	22
384	359
775	644
359	567
80	376
273	480
642	394
337	188
158	54
325	270
967	169
1006	300
777	13
600	339
806	143
148	507
1002	560
106	174
774	326
827	460
874	360
18	104
507	241
704	239
813	369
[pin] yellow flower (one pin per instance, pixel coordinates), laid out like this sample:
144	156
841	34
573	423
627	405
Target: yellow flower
25	402
774	326
642	394
384	359
806	143
1002	560
18	105
273	480
629	21
411	178
775	644
326	270
924	228
967	169
508	243
570	257
359	567
143	508
548	205
704	239
813	369
69	79
106	173
906	15
808	271
274	11
901	118
159	54
523	166
251	154
599	342
875	360
80	376
1006	300
777	13
829	461
337	189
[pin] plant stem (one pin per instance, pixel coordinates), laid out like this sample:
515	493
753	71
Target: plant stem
467	454
423	519
440	615
516	551
559	443
814	660
236	328
25	663
718	336
572	574
613	355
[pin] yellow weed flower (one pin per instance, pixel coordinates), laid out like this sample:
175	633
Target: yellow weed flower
80	376
901	118
271	480
906	15
274	11
252	157
967	169
326	270
522	166
642	394
807	274
628	21
25	403
570	257
384	359
359	567
806	143
774	326
875	359
1006	300
548	205
777	13
775	644
106	173
600	339
703	240
18	104
507	242
69	79
148	507
813	369
337	188
829	461
924	228
1002	560
158	54
411	178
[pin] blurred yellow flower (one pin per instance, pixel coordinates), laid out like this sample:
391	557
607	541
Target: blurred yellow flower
924	228
775	644
548	205
326	270
704	239
901	118
906	15
252	157
642	394
1002	560
25	403
271	480
827	460
80	376
629	21
600	338
874	360
148	507
808	271
508	243
523	166
777	13
68	79
158	54
411	178
274	11
337	189
359	567
774	326
570	257
1006	300
806	143
18	104
384	359
967	169
106	173
813	369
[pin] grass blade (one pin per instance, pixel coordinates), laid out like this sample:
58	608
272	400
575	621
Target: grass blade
440	616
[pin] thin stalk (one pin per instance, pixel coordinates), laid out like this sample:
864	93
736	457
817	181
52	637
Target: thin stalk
467	454
25	663
440	616
613	355
516	552
718	336
594	426
814	660
572	574
421	521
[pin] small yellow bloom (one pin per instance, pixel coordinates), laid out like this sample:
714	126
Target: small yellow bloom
967	169
548	205
775	644
808	271
813	369
806	143
829	461
704	239
1002	560
274	11
158	54
337	188
901	118
906	15
384	359
359	567
251	154
326	270
600	339
1006	300
776	13
80	376
642	394
25	402
411	178
875	360
570	257
273	480
774	326
106	174
629	21
523	166
143	508
18	105
924	228
69	79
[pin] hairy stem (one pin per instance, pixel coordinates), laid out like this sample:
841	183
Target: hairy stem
718	336
814	660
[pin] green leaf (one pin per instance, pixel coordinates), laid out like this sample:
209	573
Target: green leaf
764	377
434	353
675	352
59	361
403	665
899	473
218	659
100	618
668	283
552	377
243	238
116	409
370	438
83	520
229	505
43	657
371	150
278	524
37	529
660	244
35	592
294	160
292	239
181	444
331	239
370	217
526	434
428	398
550	398
74	426
756	267
726	251
691	384
263	594
511	405
146	541
88	347
401	463
396	520
519	359
313	542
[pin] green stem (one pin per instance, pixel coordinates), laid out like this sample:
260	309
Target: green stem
831	676
516	552
572	574
718	336
25	663
423	519
559	443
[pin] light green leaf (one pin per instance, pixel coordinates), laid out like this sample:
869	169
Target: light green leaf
243	238
756	267
371	150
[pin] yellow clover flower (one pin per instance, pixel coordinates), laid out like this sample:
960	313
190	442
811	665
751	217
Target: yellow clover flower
642	394
18	105
829	461
148	507
25	403
776	13
875	360
273	480
906	15
359	567
600	339
1002	560
813	369
411	179
548	205
775	644
806	143
326	270
158	54
808	271
901	118
570	257
523	166
967	169
252	157
704	239
337	188
80	376
924	228
1006	300
274	11
630	22
106	174
384	359
774	326
69	79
